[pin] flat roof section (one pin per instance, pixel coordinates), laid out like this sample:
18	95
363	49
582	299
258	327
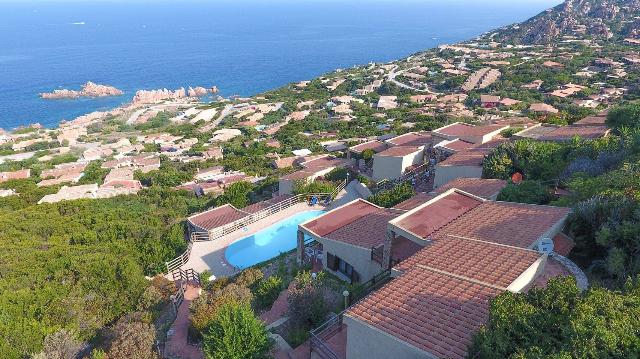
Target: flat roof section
411	139
399	151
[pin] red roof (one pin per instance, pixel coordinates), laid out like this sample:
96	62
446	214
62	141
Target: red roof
217	217
481	187
340	217
515	224
265	204
566	133
427	219
399	151
433	311
487	262
473	156
411	139
457	145
562	244
367	231
376	146
464	130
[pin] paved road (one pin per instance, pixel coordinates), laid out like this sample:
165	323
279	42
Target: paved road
392	78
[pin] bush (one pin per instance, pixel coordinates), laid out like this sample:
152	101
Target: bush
236	333
60	345
393	196
531	192
561	322
307	301
133	338
249	277
268	291
624	116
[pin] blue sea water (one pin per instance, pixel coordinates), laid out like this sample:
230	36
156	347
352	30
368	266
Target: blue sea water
268	243
242	46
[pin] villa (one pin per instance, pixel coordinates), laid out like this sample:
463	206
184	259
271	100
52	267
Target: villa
468	133
464	164
312	169
449	254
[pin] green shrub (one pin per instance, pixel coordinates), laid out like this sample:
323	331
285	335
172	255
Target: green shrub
236	333
531	192
268	291
249	277
393	196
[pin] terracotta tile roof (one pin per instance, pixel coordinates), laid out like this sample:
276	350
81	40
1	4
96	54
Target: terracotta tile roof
429	218
514	224
399	151
367	231
433	311
323	163
256	207
340	217
592	120
376	146
457	145
562	244
415	201
552	269
481	187
566	133
463	130
473	156
487	262
411	139
217	217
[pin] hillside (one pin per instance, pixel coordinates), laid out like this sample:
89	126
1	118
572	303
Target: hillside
596	18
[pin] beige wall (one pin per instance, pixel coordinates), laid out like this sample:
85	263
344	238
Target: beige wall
528	276
445	174
366	342
391	168
358	257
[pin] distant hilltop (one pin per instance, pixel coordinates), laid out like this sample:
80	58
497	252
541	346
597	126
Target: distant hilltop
89	89
597	18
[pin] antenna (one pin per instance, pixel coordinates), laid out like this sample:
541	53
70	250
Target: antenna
545	246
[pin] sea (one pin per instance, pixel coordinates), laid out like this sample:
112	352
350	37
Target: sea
243	47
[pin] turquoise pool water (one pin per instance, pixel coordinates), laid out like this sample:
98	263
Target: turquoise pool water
267	243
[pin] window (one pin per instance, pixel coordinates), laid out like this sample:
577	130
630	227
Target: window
337	264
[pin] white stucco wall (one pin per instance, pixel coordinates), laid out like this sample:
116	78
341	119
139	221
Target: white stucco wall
366	342
445	174
387	167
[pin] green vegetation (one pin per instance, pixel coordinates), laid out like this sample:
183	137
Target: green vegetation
391	197
624	116
561	322
532	192
236	333
268	291
80	265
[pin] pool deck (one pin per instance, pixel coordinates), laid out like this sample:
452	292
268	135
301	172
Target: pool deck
209	255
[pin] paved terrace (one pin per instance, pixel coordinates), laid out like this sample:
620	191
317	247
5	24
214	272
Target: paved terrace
209	255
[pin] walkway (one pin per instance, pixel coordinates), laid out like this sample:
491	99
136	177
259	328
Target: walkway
177	345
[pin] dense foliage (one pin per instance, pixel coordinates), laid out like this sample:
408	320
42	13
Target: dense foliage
532	192
236	333
81	264
391	197
561	322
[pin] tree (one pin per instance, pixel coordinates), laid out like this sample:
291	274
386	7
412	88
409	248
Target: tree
236	333
561	322
624	116
393	196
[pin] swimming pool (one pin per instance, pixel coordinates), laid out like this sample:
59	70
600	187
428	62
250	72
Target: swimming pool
267	243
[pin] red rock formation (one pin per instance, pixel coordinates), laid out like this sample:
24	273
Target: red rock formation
89	89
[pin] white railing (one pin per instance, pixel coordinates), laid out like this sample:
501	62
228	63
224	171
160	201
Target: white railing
216	233
180	260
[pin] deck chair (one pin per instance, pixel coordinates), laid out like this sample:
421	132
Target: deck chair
313	201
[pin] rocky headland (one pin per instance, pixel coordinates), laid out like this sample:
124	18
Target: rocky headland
89	89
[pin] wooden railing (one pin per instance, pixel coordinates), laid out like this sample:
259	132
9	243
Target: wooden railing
321	334
186	276
387	184
361	290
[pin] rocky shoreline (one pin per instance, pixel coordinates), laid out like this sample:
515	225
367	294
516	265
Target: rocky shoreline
89	89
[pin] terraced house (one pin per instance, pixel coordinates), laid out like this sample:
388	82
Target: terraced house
449	253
